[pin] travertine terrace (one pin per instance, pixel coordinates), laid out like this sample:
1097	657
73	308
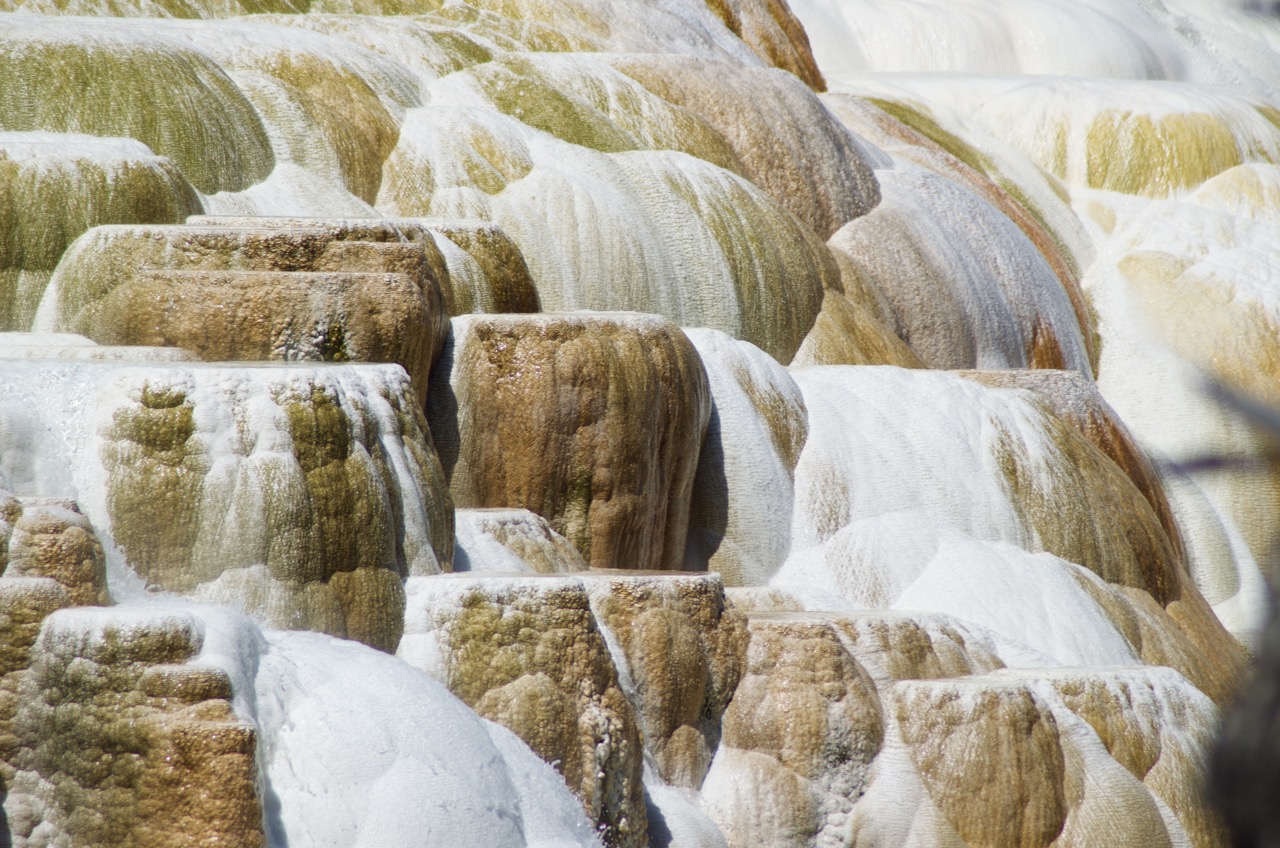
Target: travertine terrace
629	423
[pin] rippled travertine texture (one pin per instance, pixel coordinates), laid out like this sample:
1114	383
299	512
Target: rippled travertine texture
825	179
593	421
774	33
683	649
478	267
323	293
122	741
526	652
128	82
1025	481
1076	400
799	738
1186	288
54	186
302	494
487	271
49	537
511	540
1144	138
740	515
1032	199
967	287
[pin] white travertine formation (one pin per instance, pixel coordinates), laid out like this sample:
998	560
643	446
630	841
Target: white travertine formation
964	609
303	494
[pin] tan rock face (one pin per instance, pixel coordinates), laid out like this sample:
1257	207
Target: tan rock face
229	293
988	755
593	421
121	741
915	136
525	651
946	260
490	275
24	605
912	646
799	737
231	315
847	333
684	650
1075	399
774	33
826	178
478	266
42	537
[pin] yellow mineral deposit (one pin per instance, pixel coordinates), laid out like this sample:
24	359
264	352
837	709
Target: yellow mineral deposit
740	564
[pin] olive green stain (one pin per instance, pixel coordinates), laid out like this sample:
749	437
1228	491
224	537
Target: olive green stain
155	473
519	88
176	101
47	204
1155	157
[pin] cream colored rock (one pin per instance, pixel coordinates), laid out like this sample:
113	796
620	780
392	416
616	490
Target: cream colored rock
681	650
740	518
824	179
76	347
511	540
54	186
593	217
1137	137
1013	473
525	651
1160	728
1031	198
799	738
122	741
938	541
592	421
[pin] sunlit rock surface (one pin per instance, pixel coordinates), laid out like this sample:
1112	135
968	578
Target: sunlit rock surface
54	186
123	740
527	653
740	518
965	285
50	537
963	609
511	540
302	494
477	265
252	294
593	421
